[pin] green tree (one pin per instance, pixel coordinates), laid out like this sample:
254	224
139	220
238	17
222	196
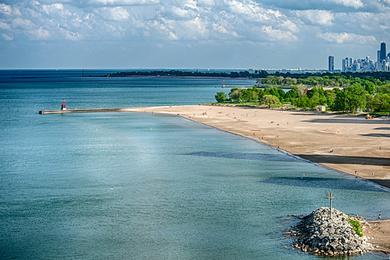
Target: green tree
302	101
270	101
330	95
379	103
220	97
355	96
292	94
340	103
369	86
235	95
316	96
250	94
275	91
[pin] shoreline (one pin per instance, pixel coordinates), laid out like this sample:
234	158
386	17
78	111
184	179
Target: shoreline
377	231
347	132
375	169
318	142
283	151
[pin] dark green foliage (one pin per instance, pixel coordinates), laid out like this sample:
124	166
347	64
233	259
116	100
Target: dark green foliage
275	91
338	92
235	95
378	103
316	97
250	94
355	98
330	96
271	101
220	97
187	73
340	103
302	101
384	89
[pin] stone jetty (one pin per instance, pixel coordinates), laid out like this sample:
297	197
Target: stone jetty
330	233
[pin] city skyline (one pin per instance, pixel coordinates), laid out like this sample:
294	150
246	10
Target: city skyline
264	34
366	64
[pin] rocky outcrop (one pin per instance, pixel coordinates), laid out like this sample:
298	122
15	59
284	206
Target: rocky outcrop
322	234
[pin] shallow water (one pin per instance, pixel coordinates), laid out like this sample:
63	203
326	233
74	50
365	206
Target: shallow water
144	186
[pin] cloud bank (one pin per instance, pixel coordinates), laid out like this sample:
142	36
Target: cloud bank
189	22
189	19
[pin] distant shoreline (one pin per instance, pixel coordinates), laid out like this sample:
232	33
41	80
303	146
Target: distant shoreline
245	74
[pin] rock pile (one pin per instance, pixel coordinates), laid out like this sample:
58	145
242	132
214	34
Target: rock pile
320	234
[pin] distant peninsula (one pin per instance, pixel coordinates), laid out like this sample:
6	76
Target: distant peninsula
249	74
190	73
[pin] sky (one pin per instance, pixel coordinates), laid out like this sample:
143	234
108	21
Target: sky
262	34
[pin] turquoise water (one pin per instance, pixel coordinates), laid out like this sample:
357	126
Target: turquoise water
143	186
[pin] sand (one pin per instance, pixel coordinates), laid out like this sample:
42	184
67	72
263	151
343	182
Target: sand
351	145
379	235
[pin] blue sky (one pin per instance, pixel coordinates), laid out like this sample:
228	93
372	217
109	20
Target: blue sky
189	33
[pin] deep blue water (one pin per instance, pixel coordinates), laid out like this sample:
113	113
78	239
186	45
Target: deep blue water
143	186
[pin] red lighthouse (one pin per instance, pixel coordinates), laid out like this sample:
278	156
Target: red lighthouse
63	105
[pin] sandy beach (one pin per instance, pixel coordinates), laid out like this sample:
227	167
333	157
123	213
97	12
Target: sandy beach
355	146
379	235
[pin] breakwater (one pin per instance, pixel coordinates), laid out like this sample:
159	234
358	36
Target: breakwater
87	110
330	232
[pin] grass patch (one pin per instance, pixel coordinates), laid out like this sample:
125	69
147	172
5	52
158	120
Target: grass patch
356	226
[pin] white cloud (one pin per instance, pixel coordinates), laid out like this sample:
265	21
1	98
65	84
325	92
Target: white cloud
115	13
22	23
319	17
123	2
208	3
217	20
5	9
195	28
279	35
163	27
289	26
39	34
350	3
165	20
251	10
56	9
345	37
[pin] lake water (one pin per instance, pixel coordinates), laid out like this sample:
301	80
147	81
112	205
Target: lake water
144	186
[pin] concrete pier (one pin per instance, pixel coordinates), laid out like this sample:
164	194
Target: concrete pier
87	110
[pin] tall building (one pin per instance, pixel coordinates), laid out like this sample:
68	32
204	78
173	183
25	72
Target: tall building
331	63
344	65
378	56
383	51
382	62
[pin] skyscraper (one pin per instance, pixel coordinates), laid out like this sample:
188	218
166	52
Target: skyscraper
331	63
383	51
378	56
344	65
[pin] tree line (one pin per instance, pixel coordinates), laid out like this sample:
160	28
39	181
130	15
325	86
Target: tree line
252	74
336	93
189	73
